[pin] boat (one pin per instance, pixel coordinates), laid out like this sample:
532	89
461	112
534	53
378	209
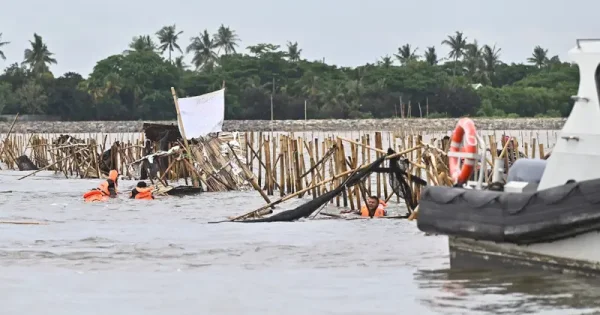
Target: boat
549	220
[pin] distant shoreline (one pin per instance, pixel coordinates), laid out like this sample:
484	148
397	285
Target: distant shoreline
416	124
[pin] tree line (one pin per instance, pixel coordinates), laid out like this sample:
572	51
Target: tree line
135	84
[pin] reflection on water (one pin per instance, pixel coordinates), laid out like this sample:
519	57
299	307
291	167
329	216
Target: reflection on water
160	257
509	292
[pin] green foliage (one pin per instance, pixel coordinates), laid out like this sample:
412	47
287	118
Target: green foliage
6	95
137	83
32	98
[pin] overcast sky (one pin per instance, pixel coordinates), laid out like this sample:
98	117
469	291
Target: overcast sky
349	32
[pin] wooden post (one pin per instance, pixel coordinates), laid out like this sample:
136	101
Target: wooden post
188	154
8	135
250	177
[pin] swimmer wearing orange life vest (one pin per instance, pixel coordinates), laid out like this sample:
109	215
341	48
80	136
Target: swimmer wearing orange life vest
106	190
142	191
374	208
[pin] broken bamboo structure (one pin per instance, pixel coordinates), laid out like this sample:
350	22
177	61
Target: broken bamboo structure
284	164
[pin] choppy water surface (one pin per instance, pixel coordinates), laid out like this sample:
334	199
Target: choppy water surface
160	257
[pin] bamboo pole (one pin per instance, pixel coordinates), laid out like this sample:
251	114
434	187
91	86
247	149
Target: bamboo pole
250	176
8	135
41	169
334	177
382	151
195	181
23	222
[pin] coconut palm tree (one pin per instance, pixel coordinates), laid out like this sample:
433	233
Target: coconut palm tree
431	56
539	57
2	44
262	48
474	63
491	58
38	57
386	62
473	58
225	39
142	43
167	37
180	64
293	51
554	61
203	48
457	44
406	54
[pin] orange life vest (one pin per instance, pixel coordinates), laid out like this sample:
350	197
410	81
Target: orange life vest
379	212
103	187
102	193
95	195
144	193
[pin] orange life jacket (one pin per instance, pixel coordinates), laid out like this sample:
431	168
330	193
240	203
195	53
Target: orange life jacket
103	187
95	195
379	212
102	193
144	193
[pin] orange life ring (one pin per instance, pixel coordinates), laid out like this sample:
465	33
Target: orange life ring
465	129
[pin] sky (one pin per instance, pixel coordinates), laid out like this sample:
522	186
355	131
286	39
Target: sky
346	33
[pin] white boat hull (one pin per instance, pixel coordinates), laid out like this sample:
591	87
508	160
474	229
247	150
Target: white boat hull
573	255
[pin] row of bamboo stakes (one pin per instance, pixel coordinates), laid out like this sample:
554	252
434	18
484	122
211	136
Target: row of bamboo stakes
286	164
295	166
70	156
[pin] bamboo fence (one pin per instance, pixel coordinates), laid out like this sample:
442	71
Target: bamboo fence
280	163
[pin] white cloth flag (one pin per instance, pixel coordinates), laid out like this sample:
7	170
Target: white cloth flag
201	115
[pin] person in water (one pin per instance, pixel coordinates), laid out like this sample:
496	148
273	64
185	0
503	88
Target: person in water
142	191
373	208
107	188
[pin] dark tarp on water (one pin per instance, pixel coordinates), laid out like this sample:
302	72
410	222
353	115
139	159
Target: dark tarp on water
305	210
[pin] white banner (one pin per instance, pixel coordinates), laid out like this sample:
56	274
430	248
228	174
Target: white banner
201	115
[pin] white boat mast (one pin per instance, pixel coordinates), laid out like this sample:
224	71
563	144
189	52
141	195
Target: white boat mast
576	154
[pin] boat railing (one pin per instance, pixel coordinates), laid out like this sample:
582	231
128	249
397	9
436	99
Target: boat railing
579	41
482	147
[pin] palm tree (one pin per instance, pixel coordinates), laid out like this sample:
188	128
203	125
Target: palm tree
539	57
431	56
113	84
386	62
293	51
406	54
2	44
262	48
142	43
474	61
491	58
555	60
180	64
38	57
168	36
203	48
457	45
225	39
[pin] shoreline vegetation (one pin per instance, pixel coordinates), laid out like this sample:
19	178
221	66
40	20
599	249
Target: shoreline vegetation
135	84
340	125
